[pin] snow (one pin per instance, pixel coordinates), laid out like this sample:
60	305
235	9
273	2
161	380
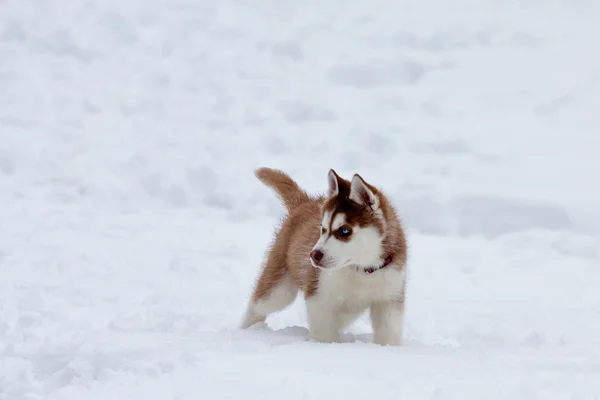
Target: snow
132	227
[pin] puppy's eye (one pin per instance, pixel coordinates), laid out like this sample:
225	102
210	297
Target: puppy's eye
345	231
322	230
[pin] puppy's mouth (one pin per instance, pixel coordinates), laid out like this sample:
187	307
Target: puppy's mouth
335	267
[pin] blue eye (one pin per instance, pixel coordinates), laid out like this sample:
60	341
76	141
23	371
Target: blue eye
345	231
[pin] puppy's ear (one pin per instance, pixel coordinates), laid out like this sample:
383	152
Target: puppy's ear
334	184
360	193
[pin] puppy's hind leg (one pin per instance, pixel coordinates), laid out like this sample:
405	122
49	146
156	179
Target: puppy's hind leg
278	295
274	290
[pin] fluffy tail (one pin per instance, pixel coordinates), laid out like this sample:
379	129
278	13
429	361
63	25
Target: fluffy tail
288	190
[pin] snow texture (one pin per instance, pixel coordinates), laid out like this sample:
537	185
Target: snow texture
132	227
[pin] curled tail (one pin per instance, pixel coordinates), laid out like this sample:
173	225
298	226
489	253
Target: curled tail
288	190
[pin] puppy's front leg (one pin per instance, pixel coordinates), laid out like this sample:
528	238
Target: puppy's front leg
388	322
322	320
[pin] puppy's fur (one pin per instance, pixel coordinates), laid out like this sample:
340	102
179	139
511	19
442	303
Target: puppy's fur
346	251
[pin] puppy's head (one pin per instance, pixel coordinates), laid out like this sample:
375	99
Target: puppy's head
353	226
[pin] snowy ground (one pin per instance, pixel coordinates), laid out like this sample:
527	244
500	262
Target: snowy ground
132	227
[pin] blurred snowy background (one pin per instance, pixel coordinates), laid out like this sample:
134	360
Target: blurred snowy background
132	227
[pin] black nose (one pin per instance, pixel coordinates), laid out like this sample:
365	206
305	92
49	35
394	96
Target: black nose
316	255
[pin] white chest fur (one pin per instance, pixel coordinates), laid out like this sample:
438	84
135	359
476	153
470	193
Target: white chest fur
355	290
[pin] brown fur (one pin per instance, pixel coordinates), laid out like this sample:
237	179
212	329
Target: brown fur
300	230
288	190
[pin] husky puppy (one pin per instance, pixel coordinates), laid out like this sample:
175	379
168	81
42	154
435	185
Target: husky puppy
346	251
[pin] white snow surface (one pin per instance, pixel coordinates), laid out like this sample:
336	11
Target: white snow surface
132	227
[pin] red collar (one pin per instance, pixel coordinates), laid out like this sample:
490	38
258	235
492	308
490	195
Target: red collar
386	262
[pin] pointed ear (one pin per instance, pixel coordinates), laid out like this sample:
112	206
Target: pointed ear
361	194
334	185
